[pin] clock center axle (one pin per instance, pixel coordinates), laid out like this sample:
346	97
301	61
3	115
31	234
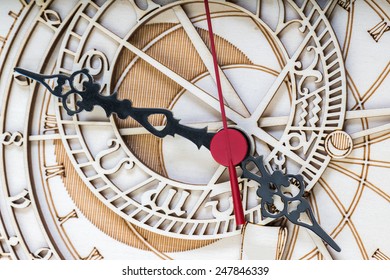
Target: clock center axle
238	145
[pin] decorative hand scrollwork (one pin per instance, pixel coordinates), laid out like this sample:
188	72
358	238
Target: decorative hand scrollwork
282	196
81	86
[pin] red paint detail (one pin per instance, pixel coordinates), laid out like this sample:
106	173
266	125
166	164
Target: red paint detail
238	210
237	143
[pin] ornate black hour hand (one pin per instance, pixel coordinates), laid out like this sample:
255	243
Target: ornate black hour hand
282	195
81	86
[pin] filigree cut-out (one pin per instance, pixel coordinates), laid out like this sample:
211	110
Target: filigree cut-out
114	146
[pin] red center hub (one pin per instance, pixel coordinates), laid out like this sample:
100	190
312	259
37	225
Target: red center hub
231	139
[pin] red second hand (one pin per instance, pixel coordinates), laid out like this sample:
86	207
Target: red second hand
237	204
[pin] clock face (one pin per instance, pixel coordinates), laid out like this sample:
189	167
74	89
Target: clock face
304	81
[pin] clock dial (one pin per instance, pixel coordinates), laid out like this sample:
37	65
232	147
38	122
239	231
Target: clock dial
291	73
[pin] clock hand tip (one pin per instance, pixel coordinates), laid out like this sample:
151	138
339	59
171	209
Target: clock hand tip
334	245
21	71
29	74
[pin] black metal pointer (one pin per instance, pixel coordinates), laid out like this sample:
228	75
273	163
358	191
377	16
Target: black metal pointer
270	185
285	188
90	96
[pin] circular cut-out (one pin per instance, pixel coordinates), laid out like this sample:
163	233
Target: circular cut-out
338	144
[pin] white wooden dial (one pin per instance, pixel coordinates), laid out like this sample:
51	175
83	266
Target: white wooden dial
294	77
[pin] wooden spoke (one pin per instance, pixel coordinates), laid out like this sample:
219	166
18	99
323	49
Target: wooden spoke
350	115
230	95
190	87
370	113
45	137
211	127
366	132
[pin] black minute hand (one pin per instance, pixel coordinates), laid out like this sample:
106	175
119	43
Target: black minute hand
89	96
